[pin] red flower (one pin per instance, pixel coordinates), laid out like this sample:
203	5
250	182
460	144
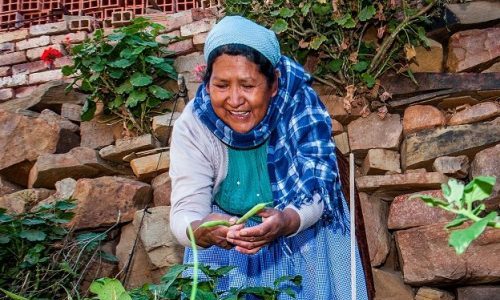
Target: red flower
49	55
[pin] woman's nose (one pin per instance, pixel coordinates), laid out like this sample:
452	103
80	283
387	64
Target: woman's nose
235	98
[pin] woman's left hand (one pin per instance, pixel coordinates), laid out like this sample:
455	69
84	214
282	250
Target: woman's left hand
275	223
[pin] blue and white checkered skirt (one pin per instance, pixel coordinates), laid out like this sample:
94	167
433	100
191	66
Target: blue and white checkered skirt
320	254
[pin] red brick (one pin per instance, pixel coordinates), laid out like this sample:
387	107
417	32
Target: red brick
45	76
25	91
73	37
12	58
28	68
6	94
419	117
7	47
49	29
63	61
13	36
40	41
14	80
5	71
35	53
199	40
182	47
197	27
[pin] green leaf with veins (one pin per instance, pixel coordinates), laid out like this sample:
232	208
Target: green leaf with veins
460	239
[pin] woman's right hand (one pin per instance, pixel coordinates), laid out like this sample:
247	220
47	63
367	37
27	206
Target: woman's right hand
206	237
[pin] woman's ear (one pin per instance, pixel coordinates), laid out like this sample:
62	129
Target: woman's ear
275	84
207	87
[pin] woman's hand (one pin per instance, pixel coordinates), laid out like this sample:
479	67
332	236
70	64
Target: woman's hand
206	237
275	223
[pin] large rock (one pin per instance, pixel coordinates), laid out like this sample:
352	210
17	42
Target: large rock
474	12
408	182
64	190
427	259
162	188
342	142
105	200
379	161
406	213
482	292
80	162
487	163
383	133
419	117
479	112
163	124
453	166
390	286
126	146
24	138
421	148
139	268
377	235
427	293
335	106
428	59
97	135
18	173
7	187
20	201
149	166
472	48
160	244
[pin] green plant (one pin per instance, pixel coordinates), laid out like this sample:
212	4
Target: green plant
461	200
345	44
124	71
253	211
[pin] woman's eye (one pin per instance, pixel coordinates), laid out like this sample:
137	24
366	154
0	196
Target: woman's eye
247	86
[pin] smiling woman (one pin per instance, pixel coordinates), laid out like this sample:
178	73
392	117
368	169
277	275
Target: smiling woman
257	132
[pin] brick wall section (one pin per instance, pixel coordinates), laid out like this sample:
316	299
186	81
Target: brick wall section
21	69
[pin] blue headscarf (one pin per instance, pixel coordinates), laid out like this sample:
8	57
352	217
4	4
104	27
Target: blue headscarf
301	154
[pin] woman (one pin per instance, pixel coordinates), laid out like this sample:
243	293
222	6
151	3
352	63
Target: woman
257	132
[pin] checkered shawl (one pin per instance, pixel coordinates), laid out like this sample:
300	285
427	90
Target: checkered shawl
301	154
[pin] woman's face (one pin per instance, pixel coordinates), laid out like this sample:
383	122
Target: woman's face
239	93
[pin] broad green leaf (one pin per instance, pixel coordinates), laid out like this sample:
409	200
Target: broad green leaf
97	67
153	102
279	26
422	36
94	77
59	231
109	289
305	9
285	12
12	295
121	63
35	221
116	103
140	79
479	189
367	13
65	205
68	70
33	235
431	201
135	97
360	66
368	79
115	73
125	87
154	60
335	65
453	191
116	36
4	239
317	41
222	271
126	53
275	13
86	86
461	239
5	218
88	110
138	50
108	256
160	92
322	9
459	220
346	21
172	274
290	292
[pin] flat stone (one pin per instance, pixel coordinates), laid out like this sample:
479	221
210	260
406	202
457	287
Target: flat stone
63	123
453	102
487	163
29	67
45	76
474	12
407	213
5	71
453	166
427	293
379	161
420	117
377	235
49	28
172	21
411	181
20	201
24	138
125	146
483	292
421	148
182	47
166	38
471	48
148	167
342	142
158	240
428	59
72	38
65	189
335	106
7	47
478	264
199	40
97	135
384	133
495	68
71	111
80	162
163	124
6	94
101	201
337	127
14	36
162	188
40	41
196	27
476	113
18	173
7	187
13	81
389	285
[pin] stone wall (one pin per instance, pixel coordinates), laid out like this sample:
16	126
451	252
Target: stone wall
447	126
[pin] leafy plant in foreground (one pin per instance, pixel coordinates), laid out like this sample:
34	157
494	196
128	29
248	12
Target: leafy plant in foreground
124	71
460	200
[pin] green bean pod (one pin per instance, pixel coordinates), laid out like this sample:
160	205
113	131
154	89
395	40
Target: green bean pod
210	224
257	208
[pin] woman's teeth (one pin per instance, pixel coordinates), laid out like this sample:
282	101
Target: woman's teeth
240	113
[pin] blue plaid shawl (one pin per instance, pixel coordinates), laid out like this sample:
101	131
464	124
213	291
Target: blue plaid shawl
301	154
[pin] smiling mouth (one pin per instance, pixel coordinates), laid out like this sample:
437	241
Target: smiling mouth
239	114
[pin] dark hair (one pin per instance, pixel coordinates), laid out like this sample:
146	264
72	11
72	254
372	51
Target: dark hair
265	66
